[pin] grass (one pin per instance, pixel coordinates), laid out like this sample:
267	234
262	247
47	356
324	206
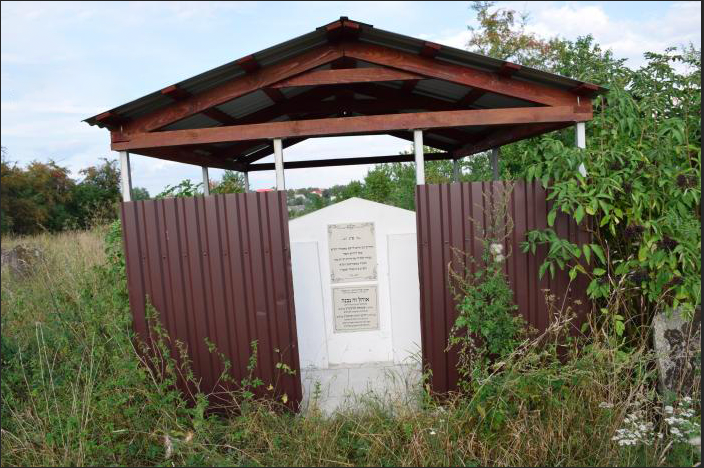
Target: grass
76	392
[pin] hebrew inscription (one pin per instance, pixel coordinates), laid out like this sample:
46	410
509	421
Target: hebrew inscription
355	308
352	252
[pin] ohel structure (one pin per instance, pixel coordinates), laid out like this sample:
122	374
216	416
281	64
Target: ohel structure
218	267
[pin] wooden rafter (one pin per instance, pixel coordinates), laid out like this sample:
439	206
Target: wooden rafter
233	89
358	125
491	82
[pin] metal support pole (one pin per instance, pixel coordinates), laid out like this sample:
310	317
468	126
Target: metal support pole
495	152
246	182
126	176
206	181
279	164
420	161
455	170
580	138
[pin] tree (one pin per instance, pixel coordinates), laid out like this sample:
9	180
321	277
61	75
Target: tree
34	199
95	199
140	193
232	182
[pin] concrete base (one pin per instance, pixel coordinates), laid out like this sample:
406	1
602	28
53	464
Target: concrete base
346	386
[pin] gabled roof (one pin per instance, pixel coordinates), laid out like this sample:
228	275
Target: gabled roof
365	98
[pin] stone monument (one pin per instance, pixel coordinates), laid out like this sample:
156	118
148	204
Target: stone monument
355	279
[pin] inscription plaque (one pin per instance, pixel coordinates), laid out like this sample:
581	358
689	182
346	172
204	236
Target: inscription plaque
352	252
355	308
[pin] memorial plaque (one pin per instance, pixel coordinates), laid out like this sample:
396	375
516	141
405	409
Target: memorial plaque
352	252
355	308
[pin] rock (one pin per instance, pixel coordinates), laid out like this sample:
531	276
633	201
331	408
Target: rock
20	259
678	347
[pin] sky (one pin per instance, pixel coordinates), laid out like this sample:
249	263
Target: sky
62	62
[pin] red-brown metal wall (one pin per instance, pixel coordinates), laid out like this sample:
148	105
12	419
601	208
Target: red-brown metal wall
443	214
217	267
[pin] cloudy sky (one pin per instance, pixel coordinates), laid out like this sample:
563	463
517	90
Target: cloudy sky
63	62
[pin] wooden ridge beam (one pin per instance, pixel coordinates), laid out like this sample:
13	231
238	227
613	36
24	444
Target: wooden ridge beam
345	76
491	82
233	89
357	125
342	29
348	161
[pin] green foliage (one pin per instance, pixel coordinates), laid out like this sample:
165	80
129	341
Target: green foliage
487	327
185	188
43	196
140	193
231	182
641	194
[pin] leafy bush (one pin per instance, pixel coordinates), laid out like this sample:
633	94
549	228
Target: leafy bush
641	195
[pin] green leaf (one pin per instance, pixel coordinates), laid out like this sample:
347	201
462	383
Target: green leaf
551	217
579	214
598	252
587	252
598	271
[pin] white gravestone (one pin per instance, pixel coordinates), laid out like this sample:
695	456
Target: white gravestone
355	279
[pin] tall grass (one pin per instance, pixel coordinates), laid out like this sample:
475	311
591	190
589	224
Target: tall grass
76	392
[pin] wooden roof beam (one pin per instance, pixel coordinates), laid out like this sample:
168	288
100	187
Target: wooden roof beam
358	125
506	135
233	89
430	49
343	29
346	76
186	155
586	89
111	119
349	161
491	82
179	94
249	64
508	69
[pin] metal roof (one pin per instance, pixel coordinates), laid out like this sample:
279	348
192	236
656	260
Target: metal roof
247	104
258	100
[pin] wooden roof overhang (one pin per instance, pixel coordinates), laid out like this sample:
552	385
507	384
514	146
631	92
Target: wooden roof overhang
346	78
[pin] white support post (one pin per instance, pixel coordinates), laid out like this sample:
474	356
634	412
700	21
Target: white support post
420	161
206	181
246	182
580	137
279	164
126	176
455	170
495	153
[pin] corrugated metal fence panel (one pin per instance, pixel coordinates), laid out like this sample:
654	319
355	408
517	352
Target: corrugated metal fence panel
445	214
217	268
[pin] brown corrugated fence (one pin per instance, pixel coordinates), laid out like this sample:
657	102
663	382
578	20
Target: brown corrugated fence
217	268
443	213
